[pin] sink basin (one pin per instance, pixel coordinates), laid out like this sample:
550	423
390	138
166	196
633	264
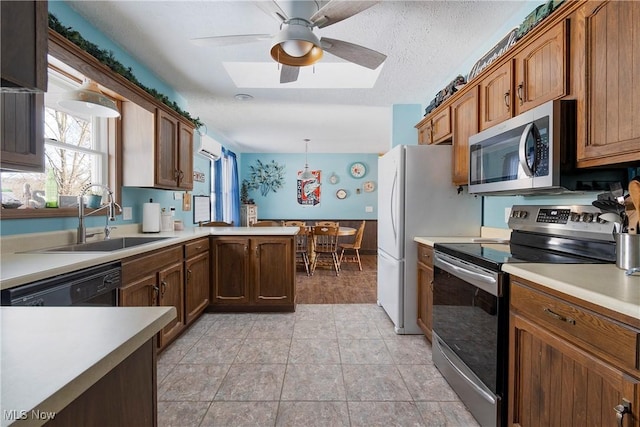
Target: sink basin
105	245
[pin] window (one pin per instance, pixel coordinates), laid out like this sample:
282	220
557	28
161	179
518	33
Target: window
225	193
76	154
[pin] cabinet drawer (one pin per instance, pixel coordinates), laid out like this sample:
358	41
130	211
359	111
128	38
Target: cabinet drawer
585	328
195	248
425	255
140	265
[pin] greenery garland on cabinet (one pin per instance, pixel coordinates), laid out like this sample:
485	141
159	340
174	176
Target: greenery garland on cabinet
107	58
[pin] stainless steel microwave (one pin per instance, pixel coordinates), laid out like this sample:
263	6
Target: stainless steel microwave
533	153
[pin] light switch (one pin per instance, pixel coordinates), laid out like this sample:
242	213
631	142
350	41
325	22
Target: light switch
368	209
177	195
127	213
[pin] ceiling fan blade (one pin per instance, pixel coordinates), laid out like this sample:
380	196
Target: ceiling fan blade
338	10
272	9
230	40
357	54
289	74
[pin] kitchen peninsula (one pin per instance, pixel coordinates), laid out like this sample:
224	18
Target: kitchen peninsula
72	366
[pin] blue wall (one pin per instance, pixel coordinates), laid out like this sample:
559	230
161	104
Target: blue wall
283	203
405	118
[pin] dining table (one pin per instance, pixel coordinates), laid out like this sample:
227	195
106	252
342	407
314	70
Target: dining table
342	231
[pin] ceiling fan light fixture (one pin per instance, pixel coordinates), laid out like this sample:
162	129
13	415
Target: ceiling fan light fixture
296	45
88	99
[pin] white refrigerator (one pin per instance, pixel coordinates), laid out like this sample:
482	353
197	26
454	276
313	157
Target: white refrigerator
416	198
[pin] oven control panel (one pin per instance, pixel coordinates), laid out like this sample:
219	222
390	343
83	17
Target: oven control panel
582	220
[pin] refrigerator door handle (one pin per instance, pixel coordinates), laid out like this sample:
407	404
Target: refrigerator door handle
393	205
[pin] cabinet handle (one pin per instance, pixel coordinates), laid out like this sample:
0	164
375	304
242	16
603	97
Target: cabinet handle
559	316
246	250
506	99
520	87
621	409
156	291
188	274
257	252
163	288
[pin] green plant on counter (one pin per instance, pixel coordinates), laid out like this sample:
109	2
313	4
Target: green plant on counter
107	58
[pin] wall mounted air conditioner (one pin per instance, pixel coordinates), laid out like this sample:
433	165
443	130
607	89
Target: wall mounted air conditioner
210	148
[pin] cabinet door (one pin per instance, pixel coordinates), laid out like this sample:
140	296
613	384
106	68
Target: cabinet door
196	292
230	271
612	83
496	96
554	383
424	132
24	43
22	131
441	126
170	280
540	70
274	270
425	299
166	150
142	292
185	158
465	123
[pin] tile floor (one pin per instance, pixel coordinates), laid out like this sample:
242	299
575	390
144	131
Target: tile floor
324	365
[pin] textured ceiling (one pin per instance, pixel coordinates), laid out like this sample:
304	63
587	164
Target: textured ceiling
426	43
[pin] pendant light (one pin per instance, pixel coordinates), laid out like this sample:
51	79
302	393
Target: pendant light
306	173
89	100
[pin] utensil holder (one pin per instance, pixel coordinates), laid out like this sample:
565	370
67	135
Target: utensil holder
627	251
94	201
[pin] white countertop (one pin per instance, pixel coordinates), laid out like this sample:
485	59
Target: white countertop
51	355
21	268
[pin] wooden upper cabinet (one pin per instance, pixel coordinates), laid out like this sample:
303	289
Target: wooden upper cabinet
465	123
169	165
612	32
540	69
22	131
436	128
496	96
166	149
24	40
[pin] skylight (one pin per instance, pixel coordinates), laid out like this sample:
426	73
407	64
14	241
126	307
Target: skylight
324	75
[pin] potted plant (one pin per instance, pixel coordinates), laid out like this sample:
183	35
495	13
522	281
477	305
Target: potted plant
244	194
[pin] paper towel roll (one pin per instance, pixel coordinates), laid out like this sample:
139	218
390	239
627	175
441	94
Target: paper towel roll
151	218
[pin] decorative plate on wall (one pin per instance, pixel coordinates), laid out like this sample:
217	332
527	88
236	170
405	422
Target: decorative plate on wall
341	194
333	179
358	170
369	186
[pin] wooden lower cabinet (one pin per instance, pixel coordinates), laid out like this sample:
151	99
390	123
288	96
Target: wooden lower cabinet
156	278
126	396
197	279
253	273
559	377
425	289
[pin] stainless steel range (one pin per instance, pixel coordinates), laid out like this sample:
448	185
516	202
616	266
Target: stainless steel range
471	296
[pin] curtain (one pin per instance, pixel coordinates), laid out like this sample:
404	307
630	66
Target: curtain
225	188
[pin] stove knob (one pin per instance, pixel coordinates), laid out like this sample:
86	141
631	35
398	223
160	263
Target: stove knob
575	217
515	214
524	214
587	217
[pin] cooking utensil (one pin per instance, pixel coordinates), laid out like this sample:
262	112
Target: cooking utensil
609	206
632	206
617	192
614	218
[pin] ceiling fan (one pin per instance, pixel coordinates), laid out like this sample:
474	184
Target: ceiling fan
295	45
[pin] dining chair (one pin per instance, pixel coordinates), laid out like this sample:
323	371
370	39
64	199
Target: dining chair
216	224
353	246
325	243
328	223
295	224
266	224
302	246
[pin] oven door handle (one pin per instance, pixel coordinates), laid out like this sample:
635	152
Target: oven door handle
471	381
484	281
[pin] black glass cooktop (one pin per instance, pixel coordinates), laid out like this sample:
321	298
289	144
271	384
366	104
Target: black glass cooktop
493	255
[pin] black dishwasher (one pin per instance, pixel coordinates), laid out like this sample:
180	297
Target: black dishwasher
94	286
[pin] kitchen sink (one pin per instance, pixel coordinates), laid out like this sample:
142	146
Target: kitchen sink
105	245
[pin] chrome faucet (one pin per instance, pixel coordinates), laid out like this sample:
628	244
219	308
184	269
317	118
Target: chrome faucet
111	213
